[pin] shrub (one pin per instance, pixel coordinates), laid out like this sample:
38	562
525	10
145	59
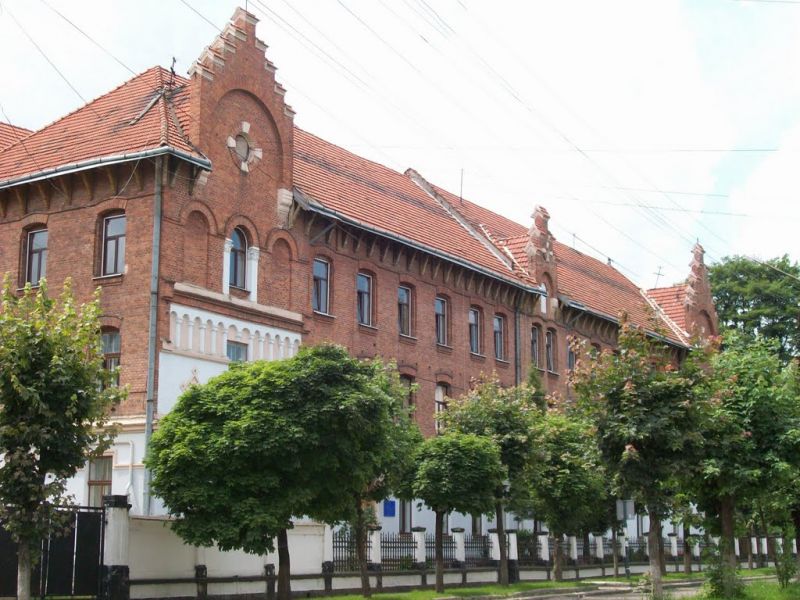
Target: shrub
785	566
722	580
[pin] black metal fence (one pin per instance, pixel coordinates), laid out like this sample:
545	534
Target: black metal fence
70	565
345	557
448	550
529	551
397	551
477	550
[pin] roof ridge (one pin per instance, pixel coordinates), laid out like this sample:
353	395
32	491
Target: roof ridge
457	216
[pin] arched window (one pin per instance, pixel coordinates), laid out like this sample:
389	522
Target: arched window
441	316
35	256
113	262
499	328
536	337
407	382
549	350
236	275
474	319
440	404
112	346
320	291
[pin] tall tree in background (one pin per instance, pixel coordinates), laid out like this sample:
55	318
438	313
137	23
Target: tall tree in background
265	442
759	299
455	472
54	396
642	408
504	415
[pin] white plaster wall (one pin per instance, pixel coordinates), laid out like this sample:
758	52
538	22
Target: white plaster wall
127	478
176	371
174	558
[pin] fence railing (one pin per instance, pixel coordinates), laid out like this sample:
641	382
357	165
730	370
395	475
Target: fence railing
345	557
477	550
397	551
448	550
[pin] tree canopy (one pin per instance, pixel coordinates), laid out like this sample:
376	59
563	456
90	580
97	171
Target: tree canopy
265	442
759	299
54	398
455	472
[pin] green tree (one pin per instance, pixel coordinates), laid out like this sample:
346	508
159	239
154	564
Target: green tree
504	415
643	410
239	457
759	299
567	482
747	449
54	397
455	472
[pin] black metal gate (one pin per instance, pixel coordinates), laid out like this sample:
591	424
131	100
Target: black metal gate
70	565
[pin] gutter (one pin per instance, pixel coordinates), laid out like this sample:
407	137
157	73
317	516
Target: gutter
112	159
151	341
313	206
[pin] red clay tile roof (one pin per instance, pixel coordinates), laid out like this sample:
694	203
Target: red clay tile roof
131	118
373	195
10	134
671	299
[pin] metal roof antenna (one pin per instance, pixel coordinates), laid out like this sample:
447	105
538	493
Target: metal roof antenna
172	73
461	189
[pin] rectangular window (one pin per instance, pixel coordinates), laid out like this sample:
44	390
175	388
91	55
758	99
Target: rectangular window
499	338
477	524
236	351
548	351
440	308
440	404
111	352
364	299
114	245
404	310
99	479
570	359
474	318
535	340
319	293
36	267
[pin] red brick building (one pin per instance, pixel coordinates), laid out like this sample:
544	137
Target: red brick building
219	231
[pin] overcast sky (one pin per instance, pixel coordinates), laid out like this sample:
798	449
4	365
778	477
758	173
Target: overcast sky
641	125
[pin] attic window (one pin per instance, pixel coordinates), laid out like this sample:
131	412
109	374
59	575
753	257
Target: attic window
242	147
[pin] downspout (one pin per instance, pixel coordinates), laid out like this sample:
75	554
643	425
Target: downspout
151	342
517	353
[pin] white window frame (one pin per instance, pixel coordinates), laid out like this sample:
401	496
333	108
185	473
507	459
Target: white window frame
327	308
368	319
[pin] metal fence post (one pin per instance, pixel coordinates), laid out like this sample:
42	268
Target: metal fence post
269	574
201	581
513	556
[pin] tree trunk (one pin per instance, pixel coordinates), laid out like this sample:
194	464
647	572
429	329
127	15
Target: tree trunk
662	557
614	553
687	551
558	557
439	552
501	539
750	564
770	553
24	570
361	549
655	562
796	520
727	508
284	573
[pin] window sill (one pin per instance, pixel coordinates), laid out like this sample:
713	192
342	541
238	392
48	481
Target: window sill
501	362
20	290
444	349
106	279
324	315
407	339
370	329
553	373
477	357
236	288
